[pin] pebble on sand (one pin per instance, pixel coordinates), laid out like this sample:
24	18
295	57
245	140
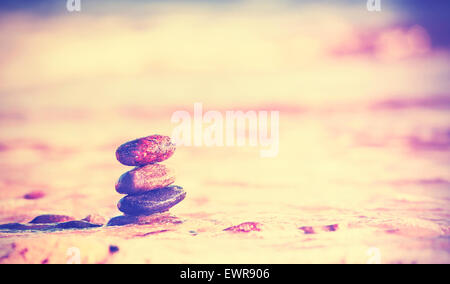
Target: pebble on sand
95	219
34	195
146	178
155	201
113	249
245	228
145	151
308	230
24	227
49	226
49	219
77	225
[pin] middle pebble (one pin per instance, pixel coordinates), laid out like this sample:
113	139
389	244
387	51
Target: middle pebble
146	178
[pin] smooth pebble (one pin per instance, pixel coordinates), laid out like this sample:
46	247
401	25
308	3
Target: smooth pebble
155	201
146	178
49	219
145	151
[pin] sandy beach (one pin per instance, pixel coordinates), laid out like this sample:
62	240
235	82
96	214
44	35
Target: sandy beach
362	171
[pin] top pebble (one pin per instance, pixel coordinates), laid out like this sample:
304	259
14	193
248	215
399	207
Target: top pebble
145	151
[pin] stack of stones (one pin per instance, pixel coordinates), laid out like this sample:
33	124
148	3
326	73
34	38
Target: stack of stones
147	186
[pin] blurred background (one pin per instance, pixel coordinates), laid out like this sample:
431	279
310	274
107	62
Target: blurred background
364	120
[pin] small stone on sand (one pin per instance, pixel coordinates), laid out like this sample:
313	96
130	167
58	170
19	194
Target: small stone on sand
34	195
307	230
113	249
245	227
49	219
95	219
77	225
24	227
